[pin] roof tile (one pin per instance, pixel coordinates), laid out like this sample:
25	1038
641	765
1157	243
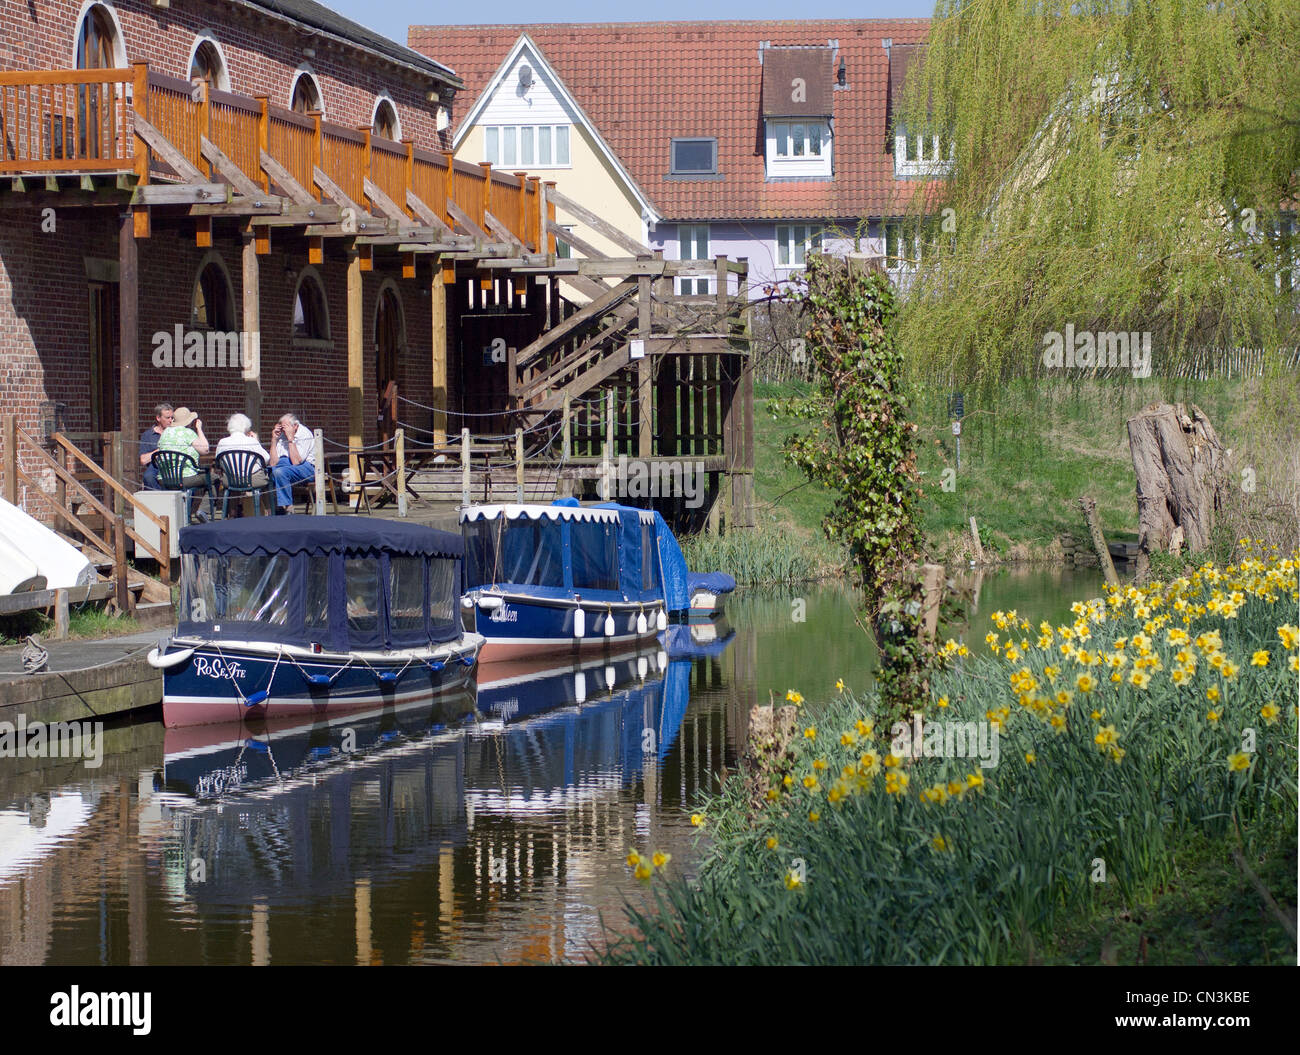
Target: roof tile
643	83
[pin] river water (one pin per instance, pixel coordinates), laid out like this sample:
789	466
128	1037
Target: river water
492	828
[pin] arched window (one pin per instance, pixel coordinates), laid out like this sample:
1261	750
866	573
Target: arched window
306	94
97	42
310	315
214	301
208	65
385	123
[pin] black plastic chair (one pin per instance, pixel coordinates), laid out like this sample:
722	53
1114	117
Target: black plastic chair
173	467
238	467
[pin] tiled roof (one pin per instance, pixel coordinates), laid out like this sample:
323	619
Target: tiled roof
645	83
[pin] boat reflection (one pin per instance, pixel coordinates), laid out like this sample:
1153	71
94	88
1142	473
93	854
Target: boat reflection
272	813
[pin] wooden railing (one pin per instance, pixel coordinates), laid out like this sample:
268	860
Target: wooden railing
172	109
81	120
65	119
343	158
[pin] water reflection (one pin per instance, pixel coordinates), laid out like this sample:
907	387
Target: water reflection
486	828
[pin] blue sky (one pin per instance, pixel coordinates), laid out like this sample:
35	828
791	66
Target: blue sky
391	17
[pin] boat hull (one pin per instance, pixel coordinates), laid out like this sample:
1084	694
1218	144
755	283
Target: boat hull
521	627
240	682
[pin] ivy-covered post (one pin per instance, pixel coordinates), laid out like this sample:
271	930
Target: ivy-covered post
861	446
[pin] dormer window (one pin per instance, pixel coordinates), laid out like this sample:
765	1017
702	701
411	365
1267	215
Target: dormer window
797	112
920	155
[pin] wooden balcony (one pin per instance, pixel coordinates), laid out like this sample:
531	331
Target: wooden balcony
166	130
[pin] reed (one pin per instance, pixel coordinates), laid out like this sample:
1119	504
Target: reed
761	557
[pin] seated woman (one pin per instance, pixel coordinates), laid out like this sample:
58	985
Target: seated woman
241	437
185	434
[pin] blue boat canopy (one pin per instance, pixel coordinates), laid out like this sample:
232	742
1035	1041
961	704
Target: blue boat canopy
316	536
344	584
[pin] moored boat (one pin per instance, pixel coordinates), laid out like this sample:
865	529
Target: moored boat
563	579
302	615
709	592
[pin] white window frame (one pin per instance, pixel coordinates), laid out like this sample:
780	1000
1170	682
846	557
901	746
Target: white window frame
793	240
694	286
781	144
914	156
906	250
502	140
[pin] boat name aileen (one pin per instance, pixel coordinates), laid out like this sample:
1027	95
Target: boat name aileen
504	614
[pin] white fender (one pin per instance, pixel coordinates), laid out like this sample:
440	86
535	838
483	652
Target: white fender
580	684
640	623
164	660
609	625
579	623
609	677
661	620
641	667
488	602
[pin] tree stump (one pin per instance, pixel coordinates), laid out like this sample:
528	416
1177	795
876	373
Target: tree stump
1179	465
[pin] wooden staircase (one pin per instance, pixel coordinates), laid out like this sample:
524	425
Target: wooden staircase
99	525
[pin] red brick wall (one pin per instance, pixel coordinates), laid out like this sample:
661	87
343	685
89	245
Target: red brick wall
262	55
44	326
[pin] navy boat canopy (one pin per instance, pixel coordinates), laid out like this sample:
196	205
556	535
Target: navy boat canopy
343	583
672	585
317	536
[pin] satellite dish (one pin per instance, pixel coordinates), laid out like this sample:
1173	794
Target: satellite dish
525	76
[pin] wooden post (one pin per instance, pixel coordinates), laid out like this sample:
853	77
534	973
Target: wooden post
644	372
486	166
607	453
720	295
263	139
1089	507
115	470
165	548
975	542
318	456
251	338
10	424
317	149
205	121
566	431
399	444
438	353
451	188
519	466
464	467
140	104
60	614
123	595
356	365
932	577
128	313
549	217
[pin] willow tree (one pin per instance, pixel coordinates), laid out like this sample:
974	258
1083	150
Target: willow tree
1115	166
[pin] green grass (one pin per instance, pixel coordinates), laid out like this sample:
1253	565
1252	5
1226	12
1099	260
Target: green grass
1026	458
1046	855
84	624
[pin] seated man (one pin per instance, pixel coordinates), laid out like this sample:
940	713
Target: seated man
295	449
149	444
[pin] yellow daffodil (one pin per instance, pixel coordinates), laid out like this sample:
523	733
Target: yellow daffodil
1030	757
1269	713
1259	659
772	842
1238	761
660	859
697	820
633	859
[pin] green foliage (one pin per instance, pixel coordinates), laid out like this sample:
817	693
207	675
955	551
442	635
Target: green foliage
1119	166
861	446
1002	861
